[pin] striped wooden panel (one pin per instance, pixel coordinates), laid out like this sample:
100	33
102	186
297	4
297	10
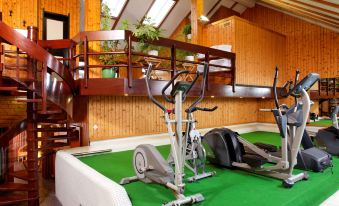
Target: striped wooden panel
257	50
128	116
92	23
70	7
308	47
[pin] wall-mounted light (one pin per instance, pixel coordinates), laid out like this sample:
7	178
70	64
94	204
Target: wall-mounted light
10	12
263	97
95	127
203	19
212	96
24	23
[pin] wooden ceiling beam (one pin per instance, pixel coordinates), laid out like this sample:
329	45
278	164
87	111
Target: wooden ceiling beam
298	12
325	16
246	3
197	9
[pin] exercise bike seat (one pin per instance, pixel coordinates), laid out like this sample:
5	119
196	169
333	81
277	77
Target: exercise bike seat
180	86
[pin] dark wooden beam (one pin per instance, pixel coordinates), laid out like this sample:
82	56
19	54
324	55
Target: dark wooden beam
119	87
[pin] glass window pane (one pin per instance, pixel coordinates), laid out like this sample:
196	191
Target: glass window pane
159	10
115	6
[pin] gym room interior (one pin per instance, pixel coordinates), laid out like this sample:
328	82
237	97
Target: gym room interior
169	102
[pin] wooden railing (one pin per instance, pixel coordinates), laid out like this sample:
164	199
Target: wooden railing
45	86
79	49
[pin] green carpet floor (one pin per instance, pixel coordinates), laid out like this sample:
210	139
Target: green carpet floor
321	123
228	187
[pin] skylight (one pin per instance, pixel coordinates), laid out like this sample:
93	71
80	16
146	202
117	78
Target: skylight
115	6
158	11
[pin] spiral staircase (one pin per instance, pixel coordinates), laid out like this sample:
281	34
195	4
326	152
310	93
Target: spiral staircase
49	91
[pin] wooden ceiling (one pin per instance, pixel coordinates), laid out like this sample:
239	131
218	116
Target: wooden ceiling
324	13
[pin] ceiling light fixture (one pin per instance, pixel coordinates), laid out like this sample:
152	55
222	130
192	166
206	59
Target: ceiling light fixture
203	19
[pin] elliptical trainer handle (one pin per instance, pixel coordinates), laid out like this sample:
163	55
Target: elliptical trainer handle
169	83
202	89
190	87
150	96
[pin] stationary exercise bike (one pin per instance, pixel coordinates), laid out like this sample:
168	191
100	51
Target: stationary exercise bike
228	149
148	163
329	137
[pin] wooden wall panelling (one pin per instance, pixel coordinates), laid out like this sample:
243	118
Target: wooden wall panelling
70	7
308	47
119	116
257	50
92	23
11	111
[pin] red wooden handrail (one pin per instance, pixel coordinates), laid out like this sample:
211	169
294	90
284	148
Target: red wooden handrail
36	52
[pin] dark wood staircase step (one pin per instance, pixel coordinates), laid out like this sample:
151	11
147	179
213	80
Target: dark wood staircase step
21	174
8	88
48	112
56	129
59	137
14	199
11	186
54	146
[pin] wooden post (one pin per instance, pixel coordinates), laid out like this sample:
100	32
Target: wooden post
129	57
197	9
32	144
86	75
173	61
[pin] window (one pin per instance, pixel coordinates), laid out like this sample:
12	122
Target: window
159	10
115	6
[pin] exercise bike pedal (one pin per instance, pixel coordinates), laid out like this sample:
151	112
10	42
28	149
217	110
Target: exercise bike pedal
267	147
253	160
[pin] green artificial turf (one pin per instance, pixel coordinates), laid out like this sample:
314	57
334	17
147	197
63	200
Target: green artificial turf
321	123
228	187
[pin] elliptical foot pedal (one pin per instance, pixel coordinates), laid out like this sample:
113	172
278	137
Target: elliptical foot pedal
267	147
253	160
201	176
186	200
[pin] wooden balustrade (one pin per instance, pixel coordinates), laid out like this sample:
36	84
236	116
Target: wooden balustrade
83	39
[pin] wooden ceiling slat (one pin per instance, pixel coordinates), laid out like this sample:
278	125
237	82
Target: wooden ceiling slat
315	7
327	3
280	6
310	10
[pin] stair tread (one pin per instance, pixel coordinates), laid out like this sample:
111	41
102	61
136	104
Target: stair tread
59	137
56	129
10	199
21	174
54	146
11	186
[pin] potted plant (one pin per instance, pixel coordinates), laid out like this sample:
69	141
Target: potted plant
107	46
187	31
186	55
146	31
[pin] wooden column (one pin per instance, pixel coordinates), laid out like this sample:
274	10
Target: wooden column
197	9
32	144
